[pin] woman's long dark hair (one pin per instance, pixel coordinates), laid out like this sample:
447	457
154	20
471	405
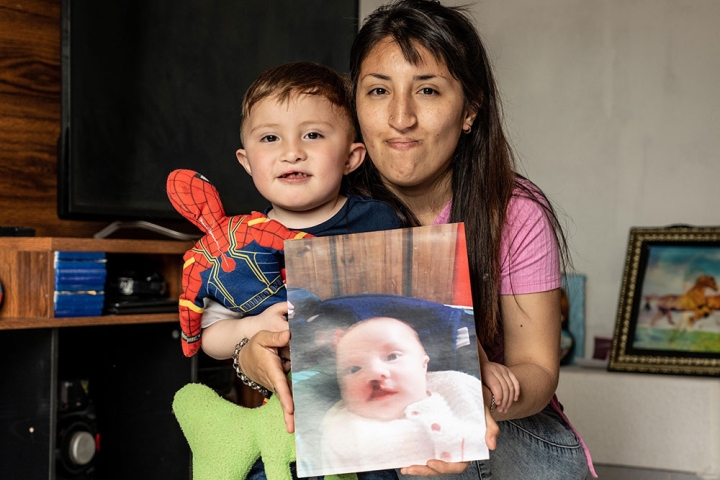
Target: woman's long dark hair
484	177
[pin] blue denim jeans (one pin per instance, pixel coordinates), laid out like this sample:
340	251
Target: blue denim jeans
540	447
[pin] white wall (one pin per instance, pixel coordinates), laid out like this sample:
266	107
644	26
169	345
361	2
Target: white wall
613	107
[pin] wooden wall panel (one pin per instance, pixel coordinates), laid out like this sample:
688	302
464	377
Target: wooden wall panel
30	119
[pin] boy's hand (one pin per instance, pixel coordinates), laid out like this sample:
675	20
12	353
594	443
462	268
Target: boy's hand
272	319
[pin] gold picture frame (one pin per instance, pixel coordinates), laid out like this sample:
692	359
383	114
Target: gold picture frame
668	318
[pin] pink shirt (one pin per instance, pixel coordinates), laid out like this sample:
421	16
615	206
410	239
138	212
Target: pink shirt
530	261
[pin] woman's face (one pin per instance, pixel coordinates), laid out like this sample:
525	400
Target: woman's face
411	116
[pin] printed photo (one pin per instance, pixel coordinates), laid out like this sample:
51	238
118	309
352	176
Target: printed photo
385	370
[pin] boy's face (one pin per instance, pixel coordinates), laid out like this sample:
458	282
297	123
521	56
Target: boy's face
381	368
298	151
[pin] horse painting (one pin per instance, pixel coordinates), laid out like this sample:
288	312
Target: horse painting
713	302
694	301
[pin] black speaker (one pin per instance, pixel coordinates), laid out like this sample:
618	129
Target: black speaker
78	439
133	372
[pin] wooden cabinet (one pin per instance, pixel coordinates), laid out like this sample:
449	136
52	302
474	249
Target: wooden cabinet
129	367
27	274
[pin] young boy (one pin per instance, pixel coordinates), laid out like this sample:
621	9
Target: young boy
393	412
298	140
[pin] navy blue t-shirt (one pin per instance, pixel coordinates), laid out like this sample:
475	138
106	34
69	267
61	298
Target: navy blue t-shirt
358	215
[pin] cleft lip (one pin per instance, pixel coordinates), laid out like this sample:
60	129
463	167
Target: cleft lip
378	392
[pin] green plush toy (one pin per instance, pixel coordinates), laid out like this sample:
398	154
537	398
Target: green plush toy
227	439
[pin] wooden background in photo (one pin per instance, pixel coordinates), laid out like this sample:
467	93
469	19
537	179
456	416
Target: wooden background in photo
410	262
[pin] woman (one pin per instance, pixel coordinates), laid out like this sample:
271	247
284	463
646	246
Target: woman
429	114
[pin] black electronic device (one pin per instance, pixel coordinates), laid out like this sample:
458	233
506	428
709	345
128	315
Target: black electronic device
131	284
133	372
77	434
17	232
141	305
151	86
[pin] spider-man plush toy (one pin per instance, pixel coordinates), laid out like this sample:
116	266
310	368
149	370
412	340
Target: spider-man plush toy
239	261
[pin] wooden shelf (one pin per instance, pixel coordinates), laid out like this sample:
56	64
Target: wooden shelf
14	323
40	244
27	273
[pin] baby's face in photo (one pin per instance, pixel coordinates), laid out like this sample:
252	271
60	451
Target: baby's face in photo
381	368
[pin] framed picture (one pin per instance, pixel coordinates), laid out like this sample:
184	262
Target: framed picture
668	317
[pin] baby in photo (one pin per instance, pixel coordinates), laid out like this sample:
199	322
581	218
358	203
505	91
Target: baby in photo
393	412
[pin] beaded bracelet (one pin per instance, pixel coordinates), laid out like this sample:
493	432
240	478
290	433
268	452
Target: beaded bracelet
243	378
492	398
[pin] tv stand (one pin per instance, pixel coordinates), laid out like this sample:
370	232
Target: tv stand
133	365
141	224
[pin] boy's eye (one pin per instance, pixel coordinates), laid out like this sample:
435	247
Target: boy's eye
313	135
269	138
392	356
353	369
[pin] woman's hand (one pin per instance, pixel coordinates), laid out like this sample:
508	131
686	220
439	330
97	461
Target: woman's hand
434	468
263	360
503	384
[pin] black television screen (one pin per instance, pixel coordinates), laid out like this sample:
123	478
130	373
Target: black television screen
149	86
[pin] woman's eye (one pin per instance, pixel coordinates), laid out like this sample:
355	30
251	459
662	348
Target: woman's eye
428	91
313	136
378	91
269	138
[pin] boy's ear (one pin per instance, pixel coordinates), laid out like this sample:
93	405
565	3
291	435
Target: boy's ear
355	157
242	158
